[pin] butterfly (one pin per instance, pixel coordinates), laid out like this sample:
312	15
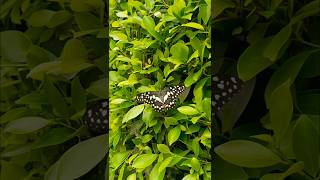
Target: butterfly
162	100
224	89
96	117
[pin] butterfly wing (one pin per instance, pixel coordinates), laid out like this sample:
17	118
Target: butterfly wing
96	117
224	88
161	100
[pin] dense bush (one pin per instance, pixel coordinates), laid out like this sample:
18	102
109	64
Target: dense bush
274	46
153	45
53	62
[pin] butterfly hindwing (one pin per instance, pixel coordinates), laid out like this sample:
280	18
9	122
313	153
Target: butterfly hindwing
96	117
224	89
161	100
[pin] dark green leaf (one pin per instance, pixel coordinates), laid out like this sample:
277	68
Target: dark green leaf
247	154
26	125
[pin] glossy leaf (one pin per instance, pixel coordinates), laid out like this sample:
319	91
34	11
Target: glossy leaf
163	148
173	135
306	144
251	61
281	111
133	113
91	151
26	125
144	161
247	154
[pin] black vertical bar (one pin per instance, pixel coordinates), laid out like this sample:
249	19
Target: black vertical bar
212	90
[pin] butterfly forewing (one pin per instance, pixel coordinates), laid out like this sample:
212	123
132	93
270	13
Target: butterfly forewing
161	100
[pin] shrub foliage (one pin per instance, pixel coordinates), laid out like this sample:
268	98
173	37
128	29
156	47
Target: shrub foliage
274	47
153	45
53	62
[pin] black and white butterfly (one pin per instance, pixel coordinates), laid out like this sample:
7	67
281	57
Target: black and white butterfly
96	117
224	89
162	100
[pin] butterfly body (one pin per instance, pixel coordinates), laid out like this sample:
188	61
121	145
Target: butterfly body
161	100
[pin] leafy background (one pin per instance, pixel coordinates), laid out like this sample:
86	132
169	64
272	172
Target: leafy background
153	45
269	131
53	63
274	47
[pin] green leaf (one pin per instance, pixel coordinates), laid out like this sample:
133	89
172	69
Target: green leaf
150	4
99	88
168	121
149	25
58	18
156	174
220	6
205	12
180	51
14	46
306	144
232	110
90	151
121	171
132	176
14	114
118	158
247	154
148	115
193	78
288	71
146	138
163	148
198	91
272	50
56	99
311	68
53	137
196	146
223	170
195	164
193	25
189	177
206	107
11	169
133	113
281	111
173	135
177	8
38	55
42	69
307	10
251	61
295	168
52	172
26	125
188	110
40	18
17	151
118	36
74	52
84	5
87	21
165	163
78	95
144	161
